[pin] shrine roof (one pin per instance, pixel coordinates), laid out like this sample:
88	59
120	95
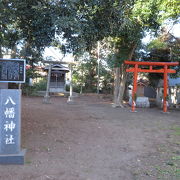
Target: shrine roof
57	67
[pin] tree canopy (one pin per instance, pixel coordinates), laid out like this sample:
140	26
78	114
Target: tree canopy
36	24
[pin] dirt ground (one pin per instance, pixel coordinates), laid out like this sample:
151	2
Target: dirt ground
90	140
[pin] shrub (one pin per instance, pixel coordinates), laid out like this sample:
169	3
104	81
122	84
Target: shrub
41	85
32	90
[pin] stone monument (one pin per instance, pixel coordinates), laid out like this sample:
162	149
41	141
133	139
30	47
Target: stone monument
10	112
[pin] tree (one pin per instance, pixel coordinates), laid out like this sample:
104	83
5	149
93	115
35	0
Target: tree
7	32
165	48
90	21
146	16
97	20
28	24
85	75
122	48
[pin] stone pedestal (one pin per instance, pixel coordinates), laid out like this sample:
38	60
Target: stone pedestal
142	102
18	158
46	100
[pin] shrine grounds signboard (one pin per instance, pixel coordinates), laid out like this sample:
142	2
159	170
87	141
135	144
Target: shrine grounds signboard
12	70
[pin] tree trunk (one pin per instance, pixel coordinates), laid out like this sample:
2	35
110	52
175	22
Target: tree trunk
1	54
116	86
120	83
132	52
14	52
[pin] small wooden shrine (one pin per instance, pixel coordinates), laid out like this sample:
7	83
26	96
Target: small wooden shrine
58	78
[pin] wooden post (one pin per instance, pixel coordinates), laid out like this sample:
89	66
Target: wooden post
71	89
47	97
165	89
98	59
70	98
134	87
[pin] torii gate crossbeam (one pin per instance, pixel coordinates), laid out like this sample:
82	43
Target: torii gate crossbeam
164	68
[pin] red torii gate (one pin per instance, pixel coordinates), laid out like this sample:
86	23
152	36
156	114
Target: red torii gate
164	70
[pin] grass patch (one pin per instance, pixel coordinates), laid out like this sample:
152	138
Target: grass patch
171	170
176	130
28	162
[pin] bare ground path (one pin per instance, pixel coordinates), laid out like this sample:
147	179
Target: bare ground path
90	140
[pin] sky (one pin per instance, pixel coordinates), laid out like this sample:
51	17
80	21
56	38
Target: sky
57	55
175	31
